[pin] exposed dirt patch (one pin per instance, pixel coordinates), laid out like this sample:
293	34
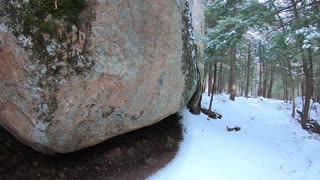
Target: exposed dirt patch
135	155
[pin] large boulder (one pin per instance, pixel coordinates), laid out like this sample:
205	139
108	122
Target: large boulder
78	72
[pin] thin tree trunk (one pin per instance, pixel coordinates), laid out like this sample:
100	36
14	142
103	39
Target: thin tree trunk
248	70
291	83
298	88
205	77
251	81
210	79
213	89
232	77
308	71
221	84
242	76
269	95
318	95
285	86
260	81
260	72
265	75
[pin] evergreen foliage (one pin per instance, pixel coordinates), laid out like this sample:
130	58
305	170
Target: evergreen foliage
282	37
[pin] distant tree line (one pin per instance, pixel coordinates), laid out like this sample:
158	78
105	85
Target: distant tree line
268	49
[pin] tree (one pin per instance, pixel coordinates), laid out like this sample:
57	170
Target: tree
248	70
280	40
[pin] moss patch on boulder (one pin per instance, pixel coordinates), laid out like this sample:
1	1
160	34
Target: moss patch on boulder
51	31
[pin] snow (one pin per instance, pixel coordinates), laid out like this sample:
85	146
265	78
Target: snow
314	106
315	112
3	28
25	41
270	144
310	33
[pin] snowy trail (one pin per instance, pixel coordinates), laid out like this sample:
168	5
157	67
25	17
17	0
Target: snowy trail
269	146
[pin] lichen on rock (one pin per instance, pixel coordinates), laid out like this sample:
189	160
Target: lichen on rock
55	44
192	92
38	24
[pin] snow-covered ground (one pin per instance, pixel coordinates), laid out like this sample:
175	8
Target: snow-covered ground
315	108
270	145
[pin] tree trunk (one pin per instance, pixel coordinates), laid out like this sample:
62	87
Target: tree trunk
303	87
213	89
308	71
205	76
252	84
248	70
269	95
285	86
291	83
214	86
242	78
260	72
265	75
221	83
318	95
298	87
232	76
210	79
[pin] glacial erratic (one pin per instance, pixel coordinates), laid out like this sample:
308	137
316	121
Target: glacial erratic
81	72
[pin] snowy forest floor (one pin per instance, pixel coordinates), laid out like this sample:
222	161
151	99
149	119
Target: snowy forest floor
270	144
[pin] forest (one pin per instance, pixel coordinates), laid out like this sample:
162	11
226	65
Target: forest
159	89
264	48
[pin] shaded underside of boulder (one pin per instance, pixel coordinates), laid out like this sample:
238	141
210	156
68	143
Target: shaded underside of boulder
74	75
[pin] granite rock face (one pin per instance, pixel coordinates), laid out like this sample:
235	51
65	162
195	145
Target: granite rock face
70	83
